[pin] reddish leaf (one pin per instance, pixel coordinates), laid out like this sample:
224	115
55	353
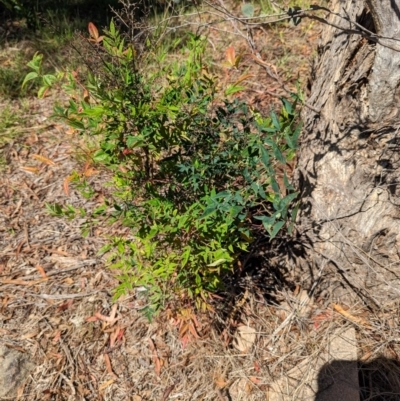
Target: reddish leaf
65	305
94	33
116	335
255	380
127	152
57	337
120	334
66	184
231	56
41	271
193	331
86	96
184	341
92	319
107	319
107	361
256	367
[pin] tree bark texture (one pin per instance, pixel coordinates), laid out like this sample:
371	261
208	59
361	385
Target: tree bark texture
349	159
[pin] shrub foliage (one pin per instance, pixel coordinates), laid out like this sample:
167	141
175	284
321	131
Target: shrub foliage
194	169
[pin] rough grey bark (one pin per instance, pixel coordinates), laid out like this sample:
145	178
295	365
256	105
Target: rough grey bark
349	159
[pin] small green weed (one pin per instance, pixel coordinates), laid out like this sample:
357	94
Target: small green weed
12	117
194	170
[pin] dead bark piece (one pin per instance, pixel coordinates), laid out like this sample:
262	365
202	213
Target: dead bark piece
15	367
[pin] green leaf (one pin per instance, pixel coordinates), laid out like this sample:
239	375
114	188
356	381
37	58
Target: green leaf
277	153
275	185
218	262
36	62
294	212
29	77
275	121
285	202
186	256
248	10
209	211
277	227
49	80
231	89
264	156
288	106
289	140
296	134
288	185
267	221
42	91
101	156
73	123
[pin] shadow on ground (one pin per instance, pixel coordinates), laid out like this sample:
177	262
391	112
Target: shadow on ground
378	380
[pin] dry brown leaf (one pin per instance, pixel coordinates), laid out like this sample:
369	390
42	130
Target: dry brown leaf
86	96
108	319
71	131
113	312
366	356
167	392
106	384
55	355
90	171
33	170
40	269
352	318
44	159
244	338
243	78
107	361
221	381
116	335
20	392
156	360
22	282
29	335
65	261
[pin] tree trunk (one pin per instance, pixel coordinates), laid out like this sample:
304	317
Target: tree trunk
349	158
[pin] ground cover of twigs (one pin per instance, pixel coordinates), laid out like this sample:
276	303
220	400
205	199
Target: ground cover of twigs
62	337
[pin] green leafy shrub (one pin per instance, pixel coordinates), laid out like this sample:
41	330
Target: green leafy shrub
194	171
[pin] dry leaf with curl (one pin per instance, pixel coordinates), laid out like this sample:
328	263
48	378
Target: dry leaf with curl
244	338
44	160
